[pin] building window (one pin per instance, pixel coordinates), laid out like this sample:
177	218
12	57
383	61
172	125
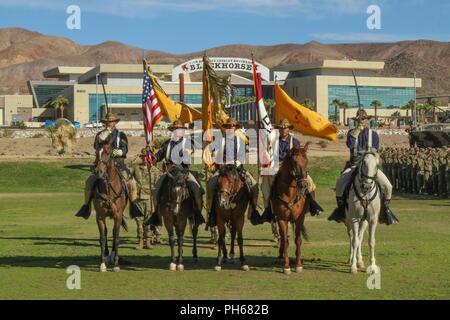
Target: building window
390	97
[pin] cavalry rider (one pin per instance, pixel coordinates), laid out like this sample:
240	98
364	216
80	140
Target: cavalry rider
120	150
360	140
286	142
168	153
249	182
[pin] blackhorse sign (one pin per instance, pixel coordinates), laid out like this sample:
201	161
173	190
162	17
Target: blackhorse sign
220	64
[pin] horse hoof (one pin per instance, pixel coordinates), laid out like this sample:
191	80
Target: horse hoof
245	267
172	266
298	269
287	271
103	267
218	268
180	267
354	270
361	265
116	269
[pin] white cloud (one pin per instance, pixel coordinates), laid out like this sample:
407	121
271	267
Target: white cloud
136	8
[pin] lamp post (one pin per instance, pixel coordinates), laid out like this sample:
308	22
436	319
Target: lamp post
415	101
96	97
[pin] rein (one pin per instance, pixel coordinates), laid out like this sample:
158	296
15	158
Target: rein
363	197
231	194
301	186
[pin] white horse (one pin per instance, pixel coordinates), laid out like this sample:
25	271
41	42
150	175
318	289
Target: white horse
364	205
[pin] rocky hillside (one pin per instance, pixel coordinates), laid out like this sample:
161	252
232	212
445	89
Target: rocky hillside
25	55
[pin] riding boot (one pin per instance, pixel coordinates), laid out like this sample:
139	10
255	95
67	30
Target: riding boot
255	217
148	244
153	220
386	215
267	215
199	220
212	219
135	210
338	214
85	211
314	208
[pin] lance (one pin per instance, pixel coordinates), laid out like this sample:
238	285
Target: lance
357	91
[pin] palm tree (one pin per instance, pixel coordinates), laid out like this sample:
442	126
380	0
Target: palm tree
59	103
344	106
424	108
308	103
408	106
434	104
376	104
336	103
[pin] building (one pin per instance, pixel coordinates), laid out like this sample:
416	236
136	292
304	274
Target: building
325	81
123	86
15	109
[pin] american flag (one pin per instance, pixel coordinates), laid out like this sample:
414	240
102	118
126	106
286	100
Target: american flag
150	108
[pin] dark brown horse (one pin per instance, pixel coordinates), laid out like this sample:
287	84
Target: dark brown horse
110	200
230	204
176	206
290	204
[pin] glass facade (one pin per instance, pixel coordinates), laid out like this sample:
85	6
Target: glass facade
243	92
390	97
47	93
130	99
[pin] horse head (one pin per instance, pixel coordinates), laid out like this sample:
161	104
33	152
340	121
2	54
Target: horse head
229	184
297	161
104	158
177	186
367	171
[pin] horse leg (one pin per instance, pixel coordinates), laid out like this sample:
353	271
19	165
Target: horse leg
106	243
372	229
350	237
284	244
233	239
220	245
103	243
355	243
173	260
298	244
194	242
115	247
362	230
180	237
240	240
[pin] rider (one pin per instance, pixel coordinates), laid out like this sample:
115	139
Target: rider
246	177
168	153
120	150
359	140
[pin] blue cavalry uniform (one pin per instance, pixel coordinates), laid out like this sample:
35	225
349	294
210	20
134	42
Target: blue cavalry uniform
359	141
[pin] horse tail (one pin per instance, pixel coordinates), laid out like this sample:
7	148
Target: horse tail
124	224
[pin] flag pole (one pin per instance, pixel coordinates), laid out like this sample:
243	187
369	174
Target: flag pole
255	76
150	145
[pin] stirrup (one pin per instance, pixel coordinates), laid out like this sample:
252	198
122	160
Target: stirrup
267	215
135	210
198	217
314	208
337	215
153	220
390	217
255	217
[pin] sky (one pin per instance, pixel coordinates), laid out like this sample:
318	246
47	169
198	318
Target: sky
178	26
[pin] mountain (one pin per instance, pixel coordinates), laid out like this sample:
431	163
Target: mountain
25	55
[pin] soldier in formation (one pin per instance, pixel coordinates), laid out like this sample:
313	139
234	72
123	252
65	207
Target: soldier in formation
418	170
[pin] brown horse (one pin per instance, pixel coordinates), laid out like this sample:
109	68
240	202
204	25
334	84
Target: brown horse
289	203
230	204
110	200
176	206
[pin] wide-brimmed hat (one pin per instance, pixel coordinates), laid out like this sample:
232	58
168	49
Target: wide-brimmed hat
177	124
284	124
110	117
361	114
230	123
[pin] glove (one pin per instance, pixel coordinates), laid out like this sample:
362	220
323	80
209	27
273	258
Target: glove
117	153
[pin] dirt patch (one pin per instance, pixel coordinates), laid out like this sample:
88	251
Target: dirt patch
41	149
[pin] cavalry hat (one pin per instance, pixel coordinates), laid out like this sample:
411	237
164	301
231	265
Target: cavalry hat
177	124
230	123
284	124
361	114
110	117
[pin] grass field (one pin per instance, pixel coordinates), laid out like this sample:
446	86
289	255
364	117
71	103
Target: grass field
40	238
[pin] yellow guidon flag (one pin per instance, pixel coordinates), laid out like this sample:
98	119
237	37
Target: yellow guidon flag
174	110
304	120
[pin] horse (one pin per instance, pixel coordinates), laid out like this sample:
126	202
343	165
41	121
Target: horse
290	204
364	205
230	204
110	199
176	207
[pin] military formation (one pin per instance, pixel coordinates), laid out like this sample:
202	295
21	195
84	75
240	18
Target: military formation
422	171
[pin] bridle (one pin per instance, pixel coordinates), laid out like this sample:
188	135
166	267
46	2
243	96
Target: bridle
176	203
232	192
362	177
300	177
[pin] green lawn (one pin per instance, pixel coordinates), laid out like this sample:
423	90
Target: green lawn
40	238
